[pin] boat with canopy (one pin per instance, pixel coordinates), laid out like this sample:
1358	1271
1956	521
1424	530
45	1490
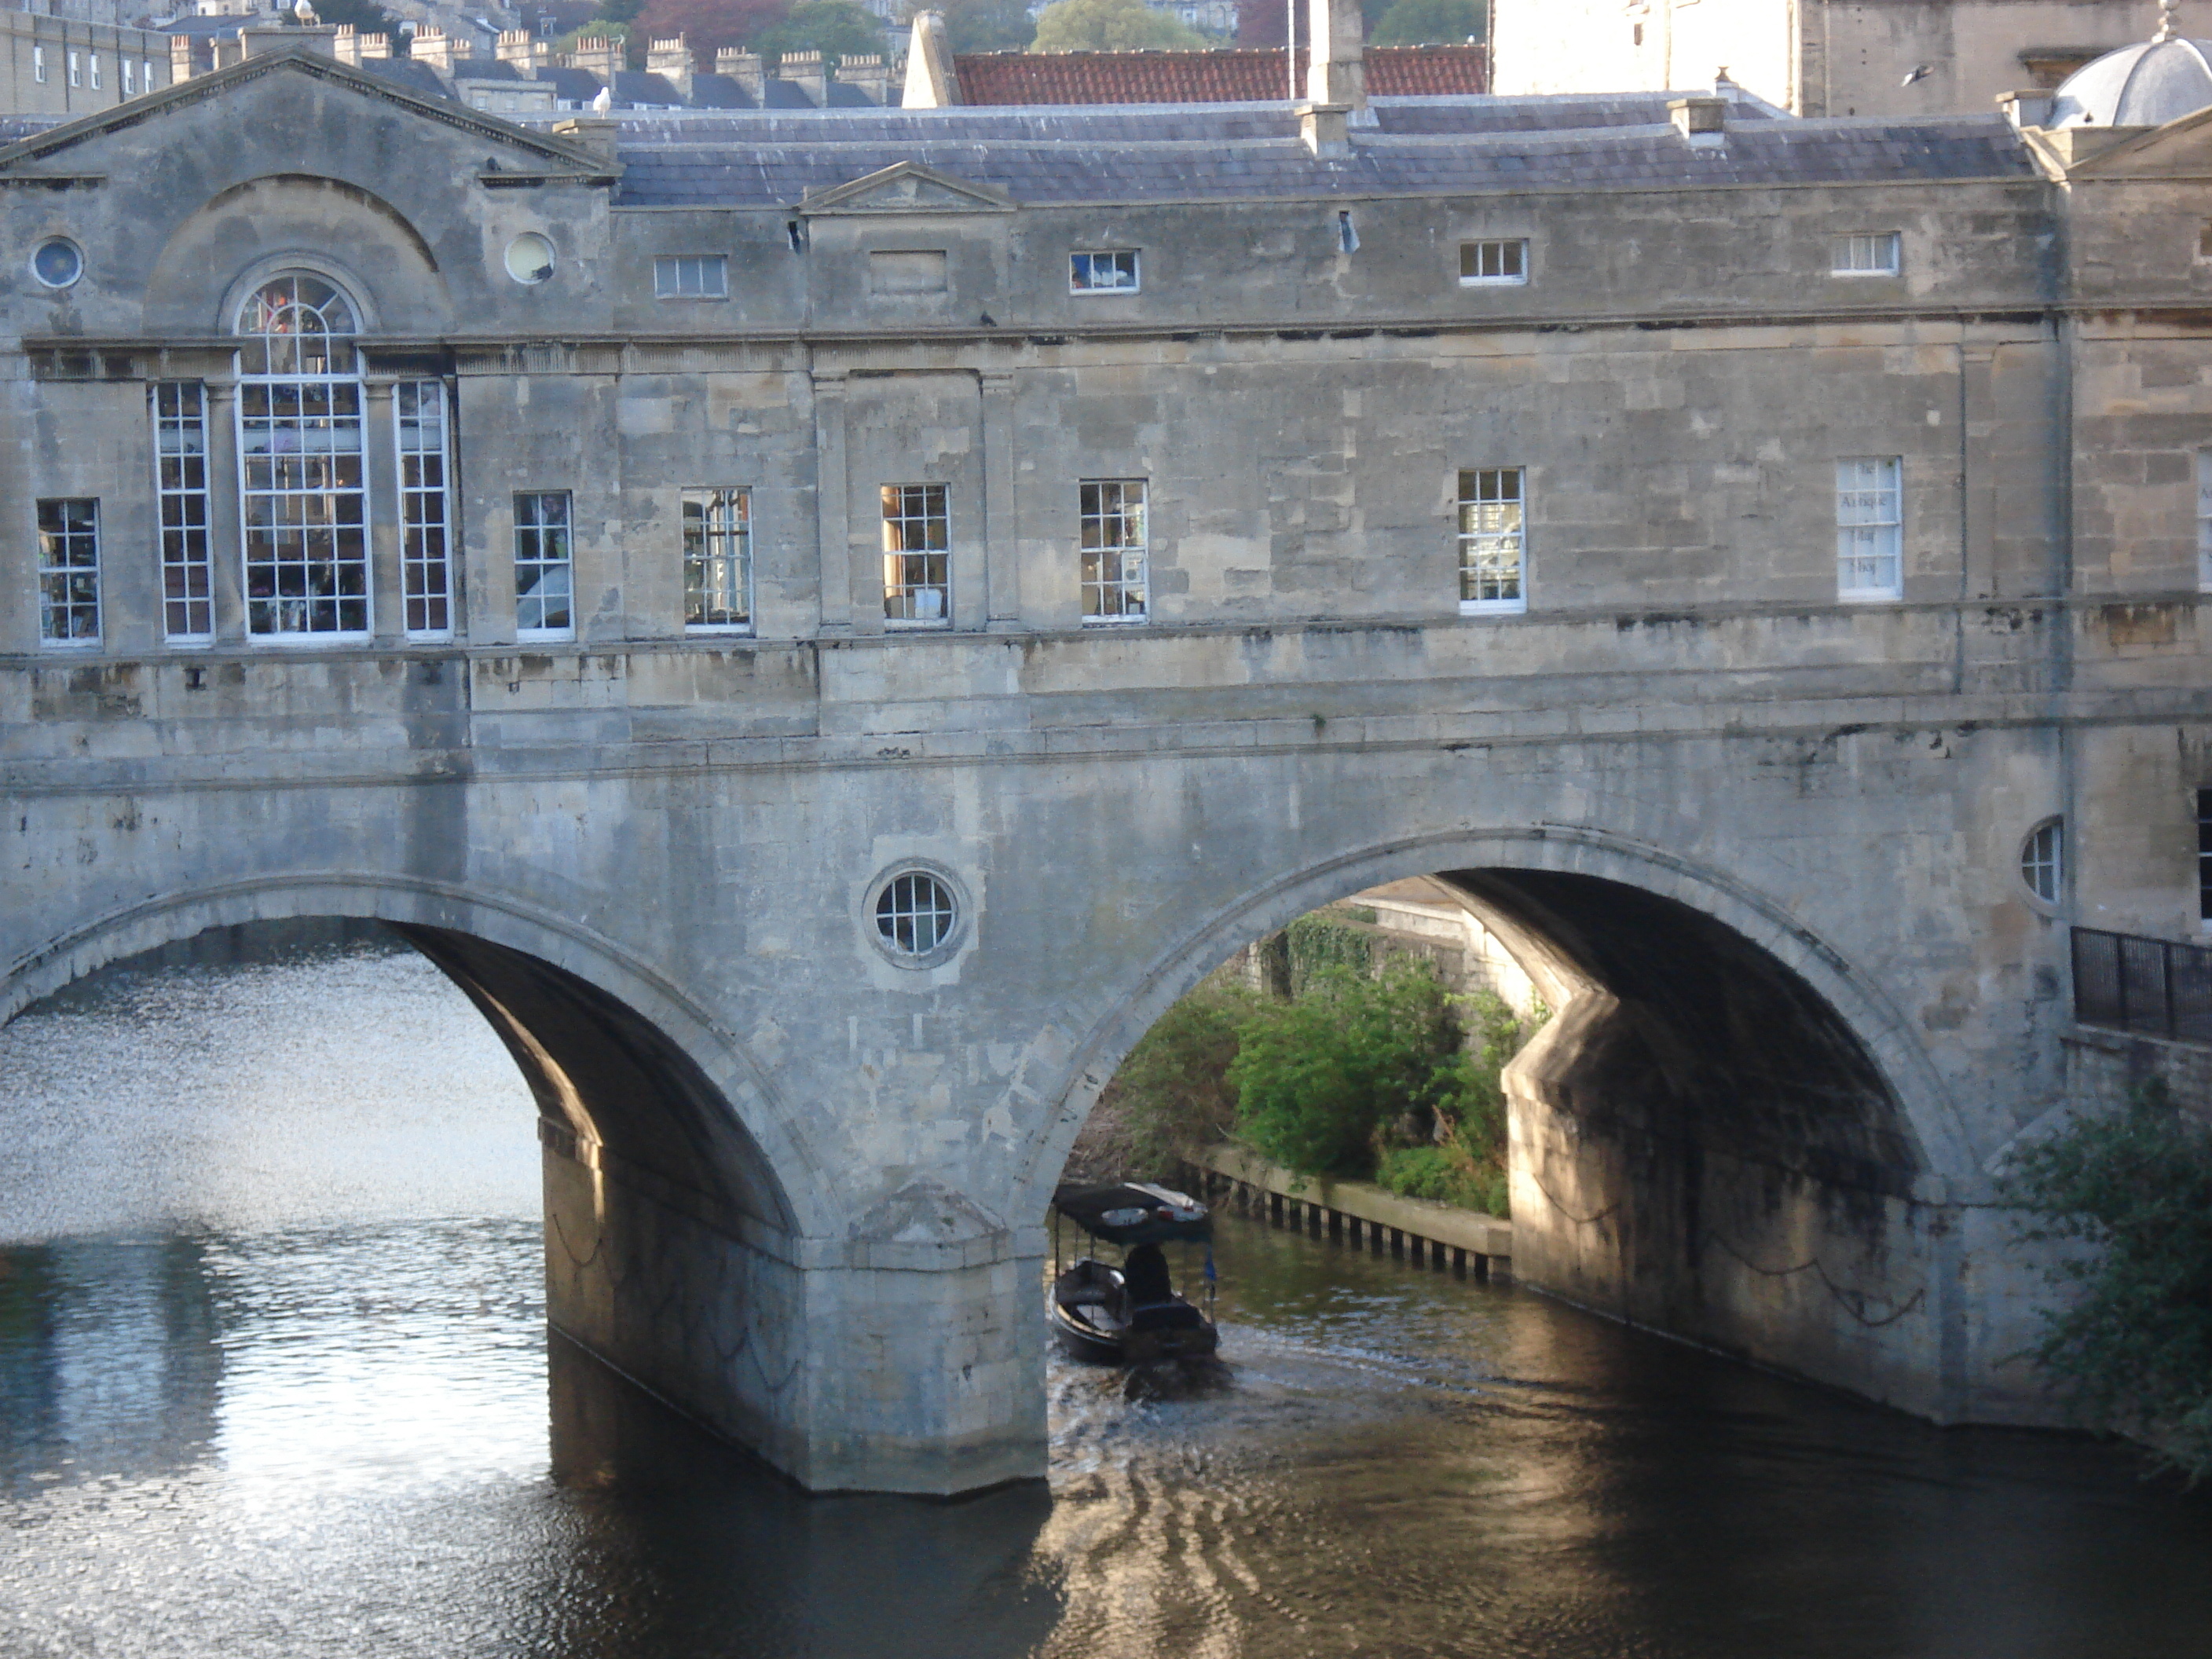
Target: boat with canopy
1131	1313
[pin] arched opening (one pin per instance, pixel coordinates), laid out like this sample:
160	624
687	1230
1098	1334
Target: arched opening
1701	1140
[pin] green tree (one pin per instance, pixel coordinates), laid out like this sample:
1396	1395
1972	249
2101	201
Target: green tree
1430	22
1110	25
983	25
837	29
2132	1352
1171	1098
1319	1078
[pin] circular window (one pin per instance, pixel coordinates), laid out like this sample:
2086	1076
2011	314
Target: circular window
529	257
58	262
917	918
2043	860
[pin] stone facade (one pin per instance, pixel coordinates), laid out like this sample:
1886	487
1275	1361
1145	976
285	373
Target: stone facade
64	64
1836	58
1759	843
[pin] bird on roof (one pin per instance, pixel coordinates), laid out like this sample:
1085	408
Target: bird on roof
1918	72
601	103
304	12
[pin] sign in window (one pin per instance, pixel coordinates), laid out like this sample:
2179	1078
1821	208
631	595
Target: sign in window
1869	528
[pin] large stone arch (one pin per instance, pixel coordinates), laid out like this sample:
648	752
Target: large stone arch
552	989
1873	1020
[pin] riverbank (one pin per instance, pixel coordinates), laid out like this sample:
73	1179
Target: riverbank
1359	1213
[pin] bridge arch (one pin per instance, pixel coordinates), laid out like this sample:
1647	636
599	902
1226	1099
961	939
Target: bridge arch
615	1055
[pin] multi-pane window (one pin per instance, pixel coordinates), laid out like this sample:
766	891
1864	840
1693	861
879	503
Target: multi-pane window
426	577
2204	520
76	69
544	567
180	457
2042	860
917	555
302	504
915	913
1869	528
96	71
69	572
39	65
1498	261
691	276
1111	271
1493	539
1114	549
1872	254
718	559
130	80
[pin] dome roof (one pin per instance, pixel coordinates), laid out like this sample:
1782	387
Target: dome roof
2141	86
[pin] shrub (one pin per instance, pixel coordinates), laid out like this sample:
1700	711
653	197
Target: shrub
2133	1351
1171	1098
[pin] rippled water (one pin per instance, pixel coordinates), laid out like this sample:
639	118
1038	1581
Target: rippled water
274	1380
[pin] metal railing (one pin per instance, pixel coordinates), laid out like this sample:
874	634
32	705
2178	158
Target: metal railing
2152	986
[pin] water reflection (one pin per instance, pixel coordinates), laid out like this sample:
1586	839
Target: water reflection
254	1415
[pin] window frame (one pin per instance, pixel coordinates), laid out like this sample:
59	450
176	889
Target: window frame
542	632
92	65
2204	860
1092	507
1475	246
2043	858
39	65
77	69
1842	248
63	578
715	500
895	590
667	263
1848	529
1466	541
2204	520
426	546
128	68
1093	290
184	510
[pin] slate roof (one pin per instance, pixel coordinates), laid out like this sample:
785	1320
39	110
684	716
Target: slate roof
1185	152
1230	75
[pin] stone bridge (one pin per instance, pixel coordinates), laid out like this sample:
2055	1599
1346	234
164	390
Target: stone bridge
795	1180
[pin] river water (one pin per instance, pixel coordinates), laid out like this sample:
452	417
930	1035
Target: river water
274	1380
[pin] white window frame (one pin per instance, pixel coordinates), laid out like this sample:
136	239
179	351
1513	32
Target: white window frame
1509	254
2042	862
691	276
531	559
425	473
303	401
184	504
1869	528
39	65
92	61
77	69
1867	253
1492	522
1083	271
2204	520
917	579
717	525
130	76
59	589
1113	542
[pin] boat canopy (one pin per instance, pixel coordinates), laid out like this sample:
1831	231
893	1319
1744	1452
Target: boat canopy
1134	1214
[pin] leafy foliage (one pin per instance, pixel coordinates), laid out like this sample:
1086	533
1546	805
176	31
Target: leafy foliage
1320	940
837	29
1427	23
2133	1352
983	25
1171	1097
1110	25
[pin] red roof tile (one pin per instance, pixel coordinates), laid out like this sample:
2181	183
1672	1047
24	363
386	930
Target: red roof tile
1228	75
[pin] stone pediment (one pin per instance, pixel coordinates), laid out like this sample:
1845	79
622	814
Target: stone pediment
76	150
907	187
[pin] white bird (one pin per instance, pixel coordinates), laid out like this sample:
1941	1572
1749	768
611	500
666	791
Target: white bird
1918	72
304	12
604	102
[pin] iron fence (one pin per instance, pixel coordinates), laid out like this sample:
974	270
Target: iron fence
2150	986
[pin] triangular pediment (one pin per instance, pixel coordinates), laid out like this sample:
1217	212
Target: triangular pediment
2181	148
75	148
907	187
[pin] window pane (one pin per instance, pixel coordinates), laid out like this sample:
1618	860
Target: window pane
1112	541
1869	527
418	409
717	558
180	451
68	571
1492	539
542	564
917	557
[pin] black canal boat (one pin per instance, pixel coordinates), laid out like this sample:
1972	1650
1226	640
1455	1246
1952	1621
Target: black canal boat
1129	1314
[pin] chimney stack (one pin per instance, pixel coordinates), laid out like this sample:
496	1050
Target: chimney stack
745	68
522	49
1702	121
1336	71
671	61
598	57
804	69
869	75
440	50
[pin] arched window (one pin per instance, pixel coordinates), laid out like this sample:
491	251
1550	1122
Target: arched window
302	504
2043	860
